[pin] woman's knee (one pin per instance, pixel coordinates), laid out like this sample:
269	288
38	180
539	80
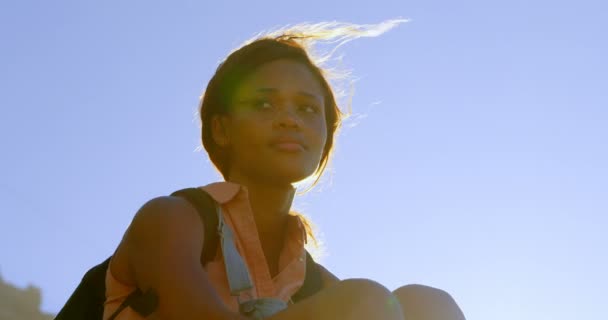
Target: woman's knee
352	299
421	302
370	300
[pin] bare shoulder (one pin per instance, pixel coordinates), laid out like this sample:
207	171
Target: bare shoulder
327	277
165	208
166	218
163	218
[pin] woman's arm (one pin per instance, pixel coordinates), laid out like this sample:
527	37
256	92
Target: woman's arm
164	245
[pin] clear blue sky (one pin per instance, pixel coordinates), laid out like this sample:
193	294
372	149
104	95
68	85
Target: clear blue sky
480	167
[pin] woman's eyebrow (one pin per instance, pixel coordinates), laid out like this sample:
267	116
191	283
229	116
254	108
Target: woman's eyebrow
302	93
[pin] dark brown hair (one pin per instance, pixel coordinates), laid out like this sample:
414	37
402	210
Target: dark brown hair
217	99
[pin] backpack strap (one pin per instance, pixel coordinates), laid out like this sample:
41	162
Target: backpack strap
144	303
86	302
312	280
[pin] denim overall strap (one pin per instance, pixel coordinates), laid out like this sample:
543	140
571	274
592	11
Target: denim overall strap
239	279
236	270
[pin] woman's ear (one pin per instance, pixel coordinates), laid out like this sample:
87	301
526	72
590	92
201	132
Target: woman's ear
219	130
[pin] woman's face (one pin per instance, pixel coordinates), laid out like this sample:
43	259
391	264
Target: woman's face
276	129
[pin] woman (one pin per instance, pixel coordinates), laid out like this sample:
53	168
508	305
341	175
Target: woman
269	117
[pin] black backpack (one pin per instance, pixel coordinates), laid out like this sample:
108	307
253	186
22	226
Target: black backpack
87	301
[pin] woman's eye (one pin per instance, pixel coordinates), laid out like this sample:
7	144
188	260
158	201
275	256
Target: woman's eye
309	109
262	104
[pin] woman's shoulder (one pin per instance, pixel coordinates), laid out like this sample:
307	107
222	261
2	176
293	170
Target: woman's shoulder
164	218
158	221
164	207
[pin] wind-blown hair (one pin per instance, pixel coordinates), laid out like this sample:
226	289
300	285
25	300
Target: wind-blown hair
295	43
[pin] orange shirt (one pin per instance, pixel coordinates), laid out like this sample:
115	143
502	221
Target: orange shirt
238	215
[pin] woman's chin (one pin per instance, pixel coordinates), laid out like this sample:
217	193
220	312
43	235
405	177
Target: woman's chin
294	177
286	175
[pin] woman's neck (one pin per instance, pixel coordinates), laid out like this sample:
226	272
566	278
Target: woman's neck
270	204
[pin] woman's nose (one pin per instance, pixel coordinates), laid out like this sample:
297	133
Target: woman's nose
287	118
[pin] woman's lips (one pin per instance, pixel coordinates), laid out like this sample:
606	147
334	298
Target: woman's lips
288	146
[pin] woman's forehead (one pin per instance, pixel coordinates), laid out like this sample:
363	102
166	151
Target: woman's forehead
282	76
